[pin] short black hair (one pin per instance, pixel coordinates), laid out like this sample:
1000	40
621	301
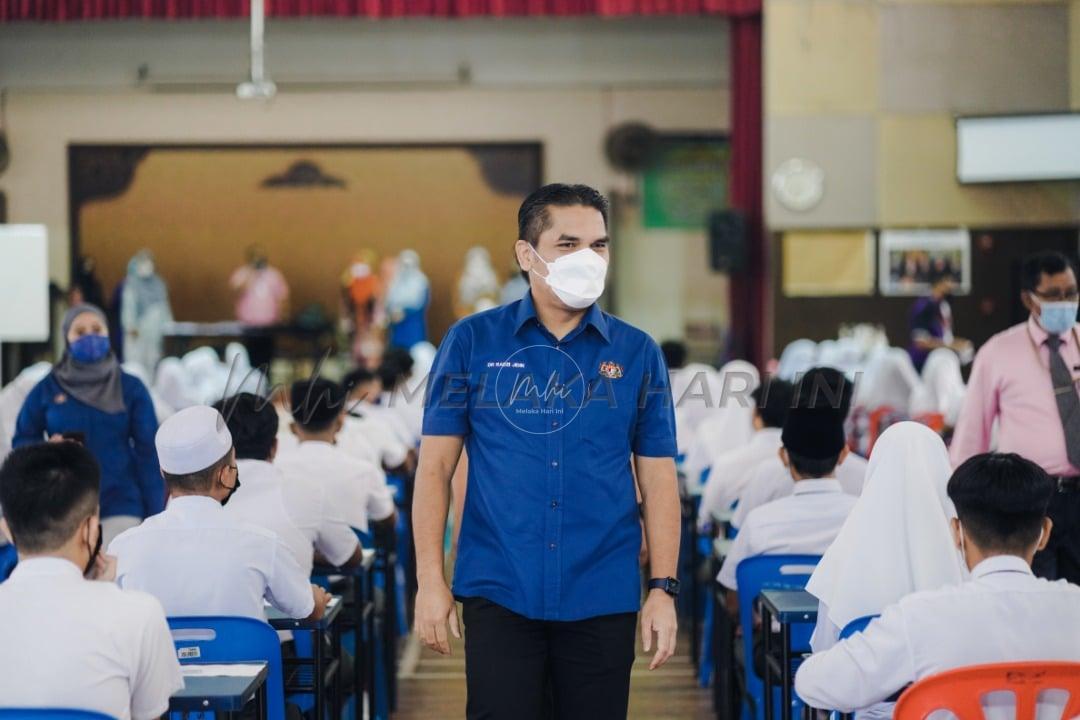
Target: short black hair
812	467
46	491
197	482
1043	263
674	353
316	403
1001	500
360	376
824	387
533	218
396	365
253	423
772	398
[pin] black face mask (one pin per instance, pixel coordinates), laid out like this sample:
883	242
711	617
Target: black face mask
94	553
232	490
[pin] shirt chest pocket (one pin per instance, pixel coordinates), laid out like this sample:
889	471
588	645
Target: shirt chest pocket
606	419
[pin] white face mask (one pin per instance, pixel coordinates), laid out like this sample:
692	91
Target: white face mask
577	279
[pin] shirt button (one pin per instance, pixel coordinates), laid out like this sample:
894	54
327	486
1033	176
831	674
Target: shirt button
554	463
554	423
552	546
554	504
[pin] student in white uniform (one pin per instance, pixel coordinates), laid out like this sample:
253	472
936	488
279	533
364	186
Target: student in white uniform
356	487
367	422
68	641
300	515
731	470
808	520
196	558
730	424
896	540
1004	614
770	480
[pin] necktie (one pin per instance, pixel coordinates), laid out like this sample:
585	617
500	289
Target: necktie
1068	402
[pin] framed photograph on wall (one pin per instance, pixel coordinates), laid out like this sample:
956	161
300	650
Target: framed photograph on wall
910	260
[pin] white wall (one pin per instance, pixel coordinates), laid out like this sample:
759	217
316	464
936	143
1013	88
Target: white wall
563	83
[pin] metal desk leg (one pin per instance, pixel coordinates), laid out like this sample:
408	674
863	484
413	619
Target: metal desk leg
359	663
369	645
695	596
339	681
785	678
766	628
317	680
262	707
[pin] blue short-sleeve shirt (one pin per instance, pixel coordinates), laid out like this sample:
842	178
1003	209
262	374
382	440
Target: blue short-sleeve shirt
550	528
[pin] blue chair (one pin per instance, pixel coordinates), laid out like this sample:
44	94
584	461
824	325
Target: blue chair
768	572
856	626
51	714
9	558
233	639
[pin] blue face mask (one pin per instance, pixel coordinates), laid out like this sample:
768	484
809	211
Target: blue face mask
1057	318
90	349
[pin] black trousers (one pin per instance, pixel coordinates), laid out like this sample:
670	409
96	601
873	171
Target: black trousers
522	669
1061	558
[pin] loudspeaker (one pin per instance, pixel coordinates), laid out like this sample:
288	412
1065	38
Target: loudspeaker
727	241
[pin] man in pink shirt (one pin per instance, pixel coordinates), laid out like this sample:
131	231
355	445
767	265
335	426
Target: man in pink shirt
262	290
262	301
1025	379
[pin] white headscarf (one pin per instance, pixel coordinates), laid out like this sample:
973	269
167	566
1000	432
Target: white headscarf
729	425
409	286
942	389
798	357
478	279
890	381
896	540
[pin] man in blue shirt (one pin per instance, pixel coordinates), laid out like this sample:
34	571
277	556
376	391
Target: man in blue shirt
559	407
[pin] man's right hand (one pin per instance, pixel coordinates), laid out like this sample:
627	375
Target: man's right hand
322	598
435	610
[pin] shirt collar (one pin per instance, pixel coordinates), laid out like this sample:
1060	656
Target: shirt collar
526	311
47	565
1038	334
766	435
194	503
822	485
1000	564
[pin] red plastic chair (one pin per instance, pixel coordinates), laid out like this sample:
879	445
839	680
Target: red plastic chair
960	691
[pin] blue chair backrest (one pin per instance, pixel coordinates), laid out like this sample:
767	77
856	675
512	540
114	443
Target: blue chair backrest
856	626
233	639
50	714
768	572
9	558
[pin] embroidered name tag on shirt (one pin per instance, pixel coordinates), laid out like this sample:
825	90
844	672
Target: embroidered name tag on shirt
611	370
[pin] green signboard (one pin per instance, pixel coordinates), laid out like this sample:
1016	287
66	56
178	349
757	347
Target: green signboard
687	181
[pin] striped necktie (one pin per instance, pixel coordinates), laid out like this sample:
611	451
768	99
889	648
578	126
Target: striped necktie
1068	402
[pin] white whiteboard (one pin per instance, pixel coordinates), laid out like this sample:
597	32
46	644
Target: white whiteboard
24	283
1018	148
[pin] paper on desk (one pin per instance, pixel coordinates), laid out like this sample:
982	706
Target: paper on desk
223	670
334	600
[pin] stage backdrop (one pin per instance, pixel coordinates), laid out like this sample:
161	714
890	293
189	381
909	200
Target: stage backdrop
311	208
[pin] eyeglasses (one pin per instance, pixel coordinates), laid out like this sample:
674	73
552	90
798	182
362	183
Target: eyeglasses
1058	295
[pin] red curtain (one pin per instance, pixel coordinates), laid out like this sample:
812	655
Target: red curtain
750	289
72	10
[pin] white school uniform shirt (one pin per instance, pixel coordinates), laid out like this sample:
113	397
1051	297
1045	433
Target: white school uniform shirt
358	488
365	428
404	413
770	480
260	500
803	523
198	560
1004	614
731	471
73	643
322	521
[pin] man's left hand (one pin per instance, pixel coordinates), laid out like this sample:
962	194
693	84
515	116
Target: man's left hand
658	615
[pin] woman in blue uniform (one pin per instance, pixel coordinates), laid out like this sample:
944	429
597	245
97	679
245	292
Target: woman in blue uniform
88	398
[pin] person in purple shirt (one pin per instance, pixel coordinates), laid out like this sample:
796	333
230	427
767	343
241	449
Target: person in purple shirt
931	320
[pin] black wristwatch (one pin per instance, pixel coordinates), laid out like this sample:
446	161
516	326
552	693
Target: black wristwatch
669	585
